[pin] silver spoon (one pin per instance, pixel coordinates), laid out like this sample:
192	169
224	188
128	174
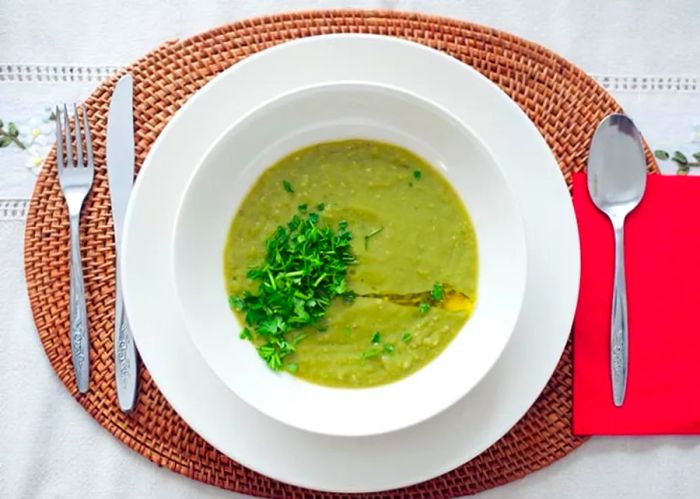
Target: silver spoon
616	182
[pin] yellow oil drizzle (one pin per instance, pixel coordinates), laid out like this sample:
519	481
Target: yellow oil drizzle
457	302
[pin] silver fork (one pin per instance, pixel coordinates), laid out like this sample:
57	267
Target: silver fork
75	178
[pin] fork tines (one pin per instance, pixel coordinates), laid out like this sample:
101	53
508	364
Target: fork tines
65	137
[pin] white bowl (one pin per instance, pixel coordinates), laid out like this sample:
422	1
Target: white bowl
334	112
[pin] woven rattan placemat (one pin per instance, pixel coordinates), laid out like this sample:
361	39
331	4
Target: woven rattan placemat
563	102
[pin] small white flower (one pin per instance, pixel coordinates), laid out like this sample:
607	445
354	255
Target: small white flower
37	134
43	140
34	162
37	143
37	126
47	129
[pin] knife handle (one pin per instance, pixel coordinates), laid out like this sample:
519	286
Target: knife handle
618	327
125	357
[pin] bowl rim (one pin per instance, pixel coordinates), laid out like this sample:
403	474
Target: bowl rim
280	99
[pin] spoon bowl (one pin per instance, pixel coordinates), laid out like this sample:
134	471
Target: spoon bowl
617	166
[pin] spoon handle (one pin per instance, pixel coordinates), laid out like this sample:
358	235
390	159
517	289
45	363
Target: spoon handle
618	326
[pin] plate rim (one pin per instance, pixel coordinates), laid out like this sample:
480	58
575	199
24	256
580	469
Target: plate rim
516	283
574	268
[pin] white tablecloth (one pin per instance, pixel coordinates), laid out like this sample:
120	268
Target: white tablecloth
646	53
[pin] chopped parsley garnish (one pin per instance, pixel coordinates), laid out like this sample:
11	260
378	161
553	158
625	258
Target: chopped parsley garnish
305	268
372	352
406	337
302	207
376	350
417	174
287	186
320	206
371	235
437	293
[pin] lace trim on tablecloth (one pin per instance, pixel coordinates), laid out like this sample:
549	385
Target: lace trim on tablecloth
649	83
13	209
52	73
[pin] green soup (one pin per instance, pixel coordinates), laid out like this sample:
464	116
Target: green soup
410	230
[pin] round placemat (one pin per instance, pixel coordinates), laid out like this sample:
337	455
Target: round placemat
564	103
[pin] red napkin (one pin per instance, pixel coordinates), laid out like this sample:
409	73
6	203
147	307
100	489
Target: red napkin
662	245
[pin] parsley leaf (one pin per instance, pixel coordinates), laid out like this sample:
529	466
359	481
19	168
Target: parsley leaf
305	268
423	308
437	293
235	302
372	352
287	186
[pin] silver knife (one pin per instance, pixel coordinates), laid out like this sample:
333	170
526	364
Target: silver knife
120	173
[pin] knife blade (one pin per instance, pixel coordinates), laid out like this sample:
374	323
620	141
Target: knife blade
120	174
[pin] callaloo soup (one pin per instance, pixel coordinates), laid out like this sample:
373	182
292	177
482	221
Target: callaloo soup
351	264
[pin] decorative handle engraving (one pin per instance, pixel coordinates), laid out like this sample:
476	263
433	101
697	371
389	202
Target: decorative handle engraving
125	357
79	338
618	324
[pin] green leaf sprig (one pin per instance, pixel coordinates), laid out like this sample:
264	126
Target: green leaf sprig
305	268
10	135
683	164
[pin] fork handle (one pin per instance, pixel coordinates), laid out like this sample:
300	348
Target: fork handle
79	339
125	355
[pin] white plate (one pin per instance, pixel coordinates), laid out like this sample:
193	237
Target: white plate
369	463
342	111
